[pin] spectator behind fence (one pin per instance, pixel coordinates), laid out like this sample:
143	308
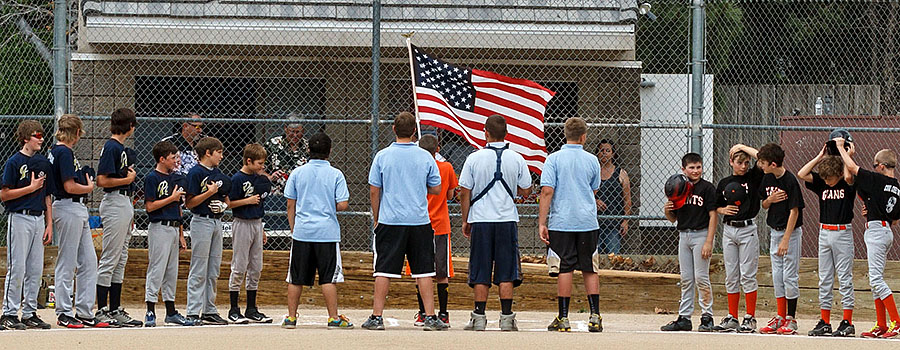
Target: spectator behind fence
613	198
286	152
191	131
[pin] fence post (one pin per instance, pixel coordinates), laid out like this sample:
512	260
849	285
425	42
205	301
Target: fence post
60	58
698	61
376	89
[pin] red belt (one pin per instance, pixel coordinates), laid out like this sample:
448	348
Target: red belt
883	224
834	227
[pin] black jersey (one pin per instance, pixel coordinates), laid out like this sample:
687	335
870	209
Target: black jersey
836	202
880	193
694	214
779	213
750	182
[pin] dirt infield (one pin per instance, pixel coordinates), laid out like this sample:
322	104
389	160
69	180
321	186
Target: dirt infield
620	331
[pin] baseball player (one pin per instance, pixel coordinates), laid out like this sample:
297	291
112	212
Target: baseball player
740	242
315	192
115	173
569	181
440	223
26	197
784	202
400	178
490	220
836	192
249	187
70	222
696	219
207	198
163	195
880	191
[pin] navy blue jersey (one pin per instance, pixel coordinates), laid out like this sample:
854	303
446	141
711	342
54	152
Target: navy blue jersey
114	163
245	185
63	167
198	178
17	174
160	186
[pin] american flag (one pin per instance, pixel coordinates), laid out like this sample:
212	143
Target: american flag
460	100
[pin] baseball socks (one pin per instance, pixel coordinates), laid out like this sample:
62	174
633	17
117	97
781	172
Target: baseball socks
479	307
733	300
792	307
170	308
419	298
848	315
825	315
563	303
234	296
102	296
251	300
506	307
443	296
115	296
880	314
750	299
891	308
782	307
594	303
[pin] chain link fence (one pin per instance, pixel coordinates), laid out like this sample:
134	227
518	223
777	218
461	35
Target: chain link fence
775	71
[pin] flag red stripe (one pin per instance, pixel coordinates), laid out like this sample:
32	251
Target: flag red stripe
506	79
518	92
480	142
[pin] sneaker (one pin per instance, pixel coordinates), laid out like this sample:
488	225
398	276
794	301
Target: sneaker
67	321
257	317
12	322
789	327
178	320
822	329
433	323
35	322
289	322
124	319
682	323
729	324
103	315
559	324
845	329
875	332
706	323
419	320
92	322
892	331
476	322
235	317
444	317
374	323
213	319
341	322
150	319
773	325
748	326
595	323
508	323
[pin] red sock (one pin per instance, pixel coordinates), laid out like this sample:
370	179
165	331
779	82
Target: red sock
750	298
826	316
733	300
848	315
891	308
782	306
879	313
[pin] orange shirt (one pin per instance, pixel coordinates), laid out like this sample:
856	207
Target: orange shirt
437	203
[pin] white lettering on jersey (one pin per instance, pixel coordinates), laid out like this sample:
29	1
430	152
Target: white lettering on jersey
694	200
771	189
832	194
892	189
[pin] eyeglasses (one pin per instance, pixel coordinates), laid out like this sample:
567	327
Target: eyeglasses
38	135
196	126
875	166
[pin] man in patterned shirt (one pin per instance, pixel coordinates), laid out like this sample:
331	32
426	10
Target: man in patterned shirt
191	131
286	152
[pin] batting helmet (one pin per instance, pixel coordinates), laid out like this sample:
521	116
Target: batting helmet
678	188
735	194
82	175
838	133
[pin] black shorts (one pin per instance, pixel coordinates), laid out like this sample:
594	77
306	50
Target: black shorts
307	258
394	242
443	262
570	251
494	254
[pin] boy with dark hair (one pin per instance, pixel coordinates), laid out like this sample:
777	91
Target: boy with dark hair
115	173
315	192
696	223
26	197
880	191
740	242
490	219
784	203
400	178
163	196
249	187
569	181
836	190
207	198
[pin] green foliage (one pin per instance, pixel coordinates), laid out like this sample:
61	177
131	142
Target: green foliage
26	81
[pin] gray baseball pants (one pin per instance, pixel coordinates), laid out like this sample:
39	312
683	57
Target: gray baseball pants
247	254
786	269
25	262
162	267
740	250
836	255
206	258
879	238
117	213
76	252
694	272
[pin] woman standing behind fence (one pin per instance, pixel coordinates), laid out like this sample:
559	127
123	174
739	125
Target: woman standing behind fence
613	198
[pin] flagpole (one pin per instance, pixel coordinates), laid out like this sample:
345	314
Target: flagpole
412	75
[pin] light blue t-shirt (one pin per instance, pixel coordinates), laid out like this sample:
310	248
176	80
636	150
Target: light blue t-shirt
404	172
317	187
574	175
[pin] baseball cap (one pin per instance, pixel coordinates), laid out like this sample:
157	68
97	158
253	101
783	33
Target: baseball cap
295	120
677	189
263	186
735	194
